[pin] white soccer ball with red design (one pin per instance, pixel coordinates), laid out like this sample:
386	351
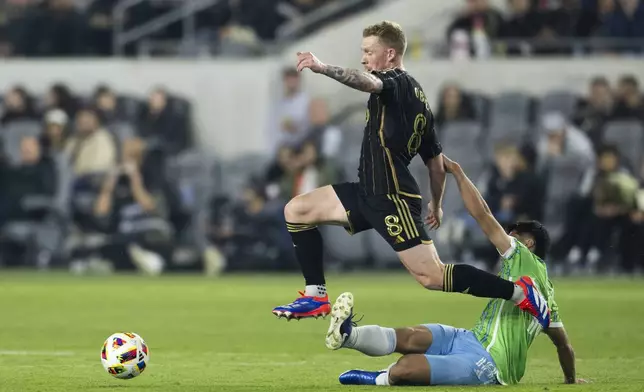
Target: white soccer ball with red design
125	355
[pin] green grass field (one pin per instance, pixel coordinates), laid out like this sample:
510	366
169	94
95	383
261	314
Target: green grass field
219	335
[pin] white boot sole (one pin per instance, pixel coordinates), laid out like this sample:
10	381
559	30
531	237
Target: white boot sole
339	314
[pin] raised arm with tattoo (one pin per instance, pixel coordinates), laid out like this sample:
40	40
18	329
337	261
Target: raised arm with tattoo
359	80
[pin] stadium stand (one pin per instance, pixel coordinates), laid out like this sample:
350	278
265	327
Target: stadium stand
533	155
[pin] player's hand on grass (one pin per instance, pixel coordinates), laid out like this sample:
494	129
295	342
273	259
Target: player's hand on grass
308	60
434	216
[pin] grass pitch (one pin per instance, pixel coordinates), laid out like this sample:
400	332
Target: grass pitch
219	334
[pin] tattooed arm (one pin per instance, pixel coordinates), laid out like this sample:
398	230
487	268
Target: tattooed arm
359	80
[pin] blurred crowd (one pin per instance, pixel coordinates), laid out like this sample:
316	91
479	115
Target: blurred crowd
547	27
84	178
110	181
580	168
63	28
304	156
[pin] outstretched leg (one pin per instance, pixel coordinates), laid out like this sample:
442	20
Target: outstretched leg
423	262
434	354
372	340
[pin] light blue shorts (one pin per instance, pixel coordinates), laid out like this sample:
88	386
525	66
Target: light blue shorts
457	358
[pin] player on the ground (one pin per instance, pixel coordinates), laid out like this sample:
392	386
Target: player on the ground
495	351
400	125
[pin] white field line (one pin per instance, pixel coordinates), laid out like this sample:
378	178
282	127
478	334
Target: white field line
37	353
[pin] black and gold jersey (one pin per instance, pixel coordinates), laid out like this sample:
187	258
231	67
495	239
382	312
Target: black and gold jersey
400	124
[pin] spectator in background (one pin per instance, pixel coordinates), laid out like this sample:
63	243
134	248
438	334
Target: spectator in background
513	192
54	137
554	23
133	205
630	104
91	149
18	105
263	17
480	22
106	105
292	113
27	190
35	175
523	21
562	143
591	19
454	105
160	127
515	187
328	137
595	110
60	97
562	140
53	29
100	27
234	229
634	231
626	21
613	194
304	171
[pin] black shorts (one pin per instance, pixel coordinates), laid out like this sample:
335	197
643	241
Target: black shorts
396	218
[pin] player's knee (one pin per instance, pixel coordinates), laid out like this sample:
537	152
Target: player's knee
404	340
403	371
432	279
298	210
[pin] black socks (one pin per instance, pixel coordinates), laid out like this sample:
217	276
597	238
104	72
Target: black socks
463	278
307	242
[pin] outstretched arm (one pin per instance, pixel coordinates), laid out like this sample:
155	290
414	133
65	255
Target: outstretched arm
478	208
566	354
359	80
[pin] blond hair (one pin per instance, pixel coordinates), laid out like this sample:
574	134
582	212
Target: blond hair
390	34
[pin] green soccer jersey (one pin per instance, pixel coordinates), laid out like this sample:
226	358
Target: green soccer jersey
504	330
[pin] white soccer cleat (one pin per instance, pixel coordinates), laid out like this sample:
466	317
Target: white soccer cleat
341	321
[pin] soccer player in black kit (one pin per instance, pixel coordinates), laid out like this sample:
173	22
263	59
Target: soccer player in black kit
400	126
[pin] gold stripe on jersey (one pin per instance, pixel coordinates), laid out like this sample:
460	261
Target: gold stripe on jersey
350	228
409	216
391	161
427	242
412	195
403	221
403	214
381	132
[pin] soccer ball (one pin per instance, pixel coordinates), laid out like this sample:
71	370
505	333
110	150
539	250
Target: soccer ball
125	355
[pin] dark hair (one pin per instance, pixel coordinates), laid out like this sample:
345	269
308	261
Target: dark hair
290	71
608	149
630	80
538	232
600	81
102	89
